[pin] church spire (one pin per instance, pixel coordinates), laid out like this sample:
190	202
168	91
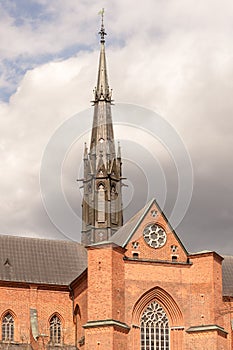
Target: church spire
102	138
102	91
102	199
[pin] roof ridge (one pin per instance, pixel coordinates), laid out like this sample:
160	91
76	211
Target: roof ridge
144	211
43	261
131	225
63	241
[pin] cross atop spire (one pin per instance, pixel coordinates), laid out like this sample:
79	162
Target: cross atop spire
102	32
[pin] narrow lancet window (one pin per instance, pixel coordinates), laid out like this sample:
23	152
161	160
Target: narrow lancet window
101	203
113	205
8	327
55	330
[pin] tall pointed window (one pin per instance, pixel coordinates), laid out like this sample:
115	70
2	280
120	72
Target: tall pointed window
154	328
8	327
113	205
101	203
55	330
90	205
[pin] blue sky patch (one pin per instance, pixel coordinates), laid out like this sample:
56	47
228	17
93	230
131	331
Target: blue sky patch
14	70
24	11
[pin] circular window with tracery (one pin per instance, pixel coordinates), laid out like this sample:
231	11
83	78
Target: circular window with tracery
155	236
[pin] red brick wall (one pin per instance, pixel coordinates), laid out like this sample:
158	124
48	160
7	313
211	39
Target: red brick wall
80	307
47	302
190	293
105	283
119	289
106	291
147	252
99	338
202	341
194	288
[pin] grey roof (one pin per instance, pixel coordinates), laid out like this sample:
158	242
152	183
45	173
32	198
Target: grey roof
44	261
35	260
227	276
123	235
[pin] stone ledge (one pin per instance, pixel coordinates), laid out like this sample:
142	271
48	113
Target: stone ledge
174	328
206	328
164	262
106	323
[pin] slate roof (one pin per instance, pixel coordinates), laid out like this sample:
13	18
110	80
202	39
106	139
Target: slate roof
123	235
44	261
54	262
227	276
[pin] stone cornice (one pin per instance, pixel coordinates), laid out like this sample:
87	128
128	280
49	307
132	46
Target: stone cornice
106	323
206	328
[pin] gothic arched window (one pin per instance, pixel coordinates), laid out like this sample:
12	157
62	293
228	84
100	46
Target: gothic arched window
8	327
101	203
90	204
55	330
154	328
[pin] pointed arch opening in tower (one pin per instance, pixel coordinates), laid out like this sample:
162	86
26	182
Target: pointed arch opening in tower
101	203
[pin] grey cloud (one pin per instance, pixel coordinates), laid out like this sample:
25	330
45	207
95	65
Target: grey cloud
177	62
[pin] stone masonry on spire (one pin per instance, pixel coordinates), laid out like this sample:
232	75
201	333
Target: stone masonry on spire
102	198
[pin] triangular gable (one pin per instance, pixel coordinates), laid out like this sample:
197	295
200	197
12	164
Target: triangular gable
134	237
113	168
101	170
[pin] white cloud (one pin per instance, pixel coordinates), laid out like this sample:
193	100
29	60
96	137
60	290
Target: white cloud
174	57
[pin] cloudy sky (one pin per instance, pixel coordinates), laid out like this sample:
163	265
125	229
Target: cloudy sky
173	57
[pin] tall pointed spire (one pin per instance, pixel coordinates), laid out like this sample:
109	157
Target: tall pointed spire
102	91
102	199
102	138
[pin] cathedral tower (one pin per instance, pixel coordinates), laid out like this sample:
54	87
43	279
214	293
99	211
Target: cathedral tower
102	199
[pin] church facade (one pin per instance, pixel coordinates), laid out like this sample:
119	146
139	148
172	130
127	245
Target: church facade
124	287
